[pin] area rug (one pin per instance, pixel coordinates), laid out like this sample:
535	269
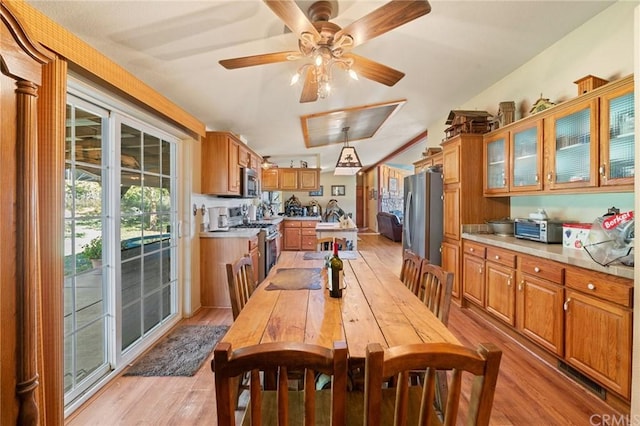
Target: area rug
181	353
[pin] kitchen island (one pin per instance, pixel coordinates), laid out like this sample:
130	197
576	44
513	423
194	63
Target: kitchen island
334	230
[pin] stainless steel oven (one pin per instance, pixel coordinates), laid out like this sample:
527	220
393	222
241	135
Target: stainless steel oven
267	246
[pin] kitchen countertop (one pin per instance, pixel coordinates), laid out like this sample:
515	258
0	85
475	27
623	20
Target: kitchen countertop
333	226
552	252
233	233
316	218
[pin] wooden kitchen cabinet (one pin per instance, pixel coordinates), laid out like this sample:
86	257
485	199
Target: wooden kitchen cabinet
451	263
500	294
525	151
222	157
291	179
292	235
495	155
617	138
270	180
288	179
427	162
463	201
309	240
571	145
473	287
215	253
539	302
598	340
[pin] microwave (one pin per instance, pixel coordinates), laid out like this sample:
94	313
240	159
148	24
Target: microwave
543	230
249	183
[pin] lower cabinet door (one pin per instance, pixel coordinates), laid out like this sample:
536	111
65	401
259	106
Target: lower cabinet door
500	296
598	340
473	283
539	313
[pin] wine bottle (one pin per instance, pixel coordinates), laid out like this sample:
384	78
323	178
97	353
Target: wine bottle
335	289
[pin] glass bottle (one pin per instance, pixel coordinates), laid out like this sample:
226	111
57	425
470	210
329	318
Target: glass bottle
337	273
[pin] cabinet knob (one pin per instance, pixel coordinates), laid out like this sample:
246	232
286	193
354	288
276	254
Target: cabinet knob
520	285
509	282
566	304
591	286
602	170
497	257
537	178
550	177
470	248
504	182
536	269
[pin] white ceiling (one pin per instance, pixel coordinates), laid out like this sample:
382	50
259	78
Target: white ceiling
448	56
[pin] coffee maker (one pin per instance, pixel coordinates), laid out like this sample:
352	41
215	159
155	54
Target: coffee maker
218	219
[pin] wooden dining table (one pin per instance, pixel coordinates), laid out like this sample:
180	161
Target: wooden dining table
375	307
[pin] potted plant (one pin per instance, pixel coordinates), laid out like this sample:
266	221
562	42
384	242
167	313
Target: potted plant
93	251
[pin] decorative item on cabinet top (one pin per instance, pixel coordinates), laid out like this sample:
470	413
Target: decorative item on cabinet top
541	104
506	115
465	121
588	83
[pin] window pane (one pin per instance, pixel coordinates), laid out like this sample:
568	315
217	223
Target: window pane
130	148
151	154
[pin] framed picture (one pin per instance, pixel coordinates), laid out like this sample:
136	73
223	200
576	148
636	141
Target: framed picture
337	190
393	185
303	164
317	193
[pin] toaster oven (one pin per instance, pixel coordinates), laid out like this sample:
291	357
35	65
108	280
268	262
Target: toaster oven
542	230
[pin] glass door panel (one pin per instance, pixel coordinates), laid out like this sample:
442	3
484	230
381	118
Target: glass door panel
621	138
496	165
574	152
526	159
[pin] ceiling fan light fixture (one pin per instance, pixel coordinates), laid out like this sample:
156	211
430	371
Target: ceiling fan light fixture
353	74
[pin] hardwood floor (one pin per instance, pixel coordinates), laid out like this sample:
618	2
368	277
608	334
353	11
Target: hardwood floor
528	392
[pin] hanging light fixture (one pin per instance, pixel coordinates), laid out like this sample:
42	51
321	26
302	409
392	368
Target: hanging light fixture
348	162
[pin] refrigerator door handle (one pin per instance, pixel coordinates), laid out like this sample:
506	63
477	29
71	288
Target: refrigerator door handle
406	226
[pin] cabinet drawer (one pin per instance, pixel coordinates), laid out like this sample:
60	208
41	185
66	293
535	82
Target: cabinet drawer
309	224
292	223
309	243
309	232
501	256
537	267
474	249
608	287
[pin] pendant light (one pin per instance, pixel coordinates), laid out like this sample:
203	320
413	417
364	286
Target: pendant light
348	162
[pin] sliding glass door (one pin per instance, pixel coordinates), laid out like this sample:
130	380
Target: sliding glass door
120	240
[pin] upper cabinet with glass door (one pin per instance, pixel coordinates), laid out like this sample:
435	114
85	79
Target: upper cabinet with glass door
571	141
617	141
496	163
526	157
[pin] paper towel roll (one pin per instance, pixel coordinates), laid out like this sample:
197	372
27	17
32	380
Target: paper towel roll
252	212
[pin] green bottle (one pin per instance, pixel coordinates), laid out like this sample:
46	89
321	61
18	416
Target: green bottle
337	274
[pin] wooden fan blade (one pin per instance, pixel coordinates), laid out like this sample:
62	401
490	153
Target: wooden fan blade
250	61
383	19
294	18
374	70
310	88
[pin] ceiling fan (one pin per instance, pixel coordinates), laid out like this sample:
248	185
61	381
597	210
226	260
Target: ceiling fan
324	44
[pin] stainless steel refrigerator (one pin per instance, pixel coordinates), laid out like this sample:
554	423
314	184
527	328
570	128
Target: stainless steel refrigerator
423	211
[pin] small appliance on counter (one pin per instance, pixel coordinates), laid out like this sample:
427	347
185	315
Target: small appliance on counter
218	219
538	227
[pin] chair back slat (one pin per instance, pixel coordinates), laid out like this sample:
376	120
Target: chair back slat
241	283
436	286
432	358
410	272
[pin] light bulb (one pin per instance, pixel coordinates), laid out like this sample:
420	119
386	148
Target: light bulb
295	78
318	60
353	74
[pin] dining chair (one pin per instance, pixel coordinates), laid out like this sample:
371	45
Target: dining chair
406	404
435	287
241	281
327	243
410	272
281	406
